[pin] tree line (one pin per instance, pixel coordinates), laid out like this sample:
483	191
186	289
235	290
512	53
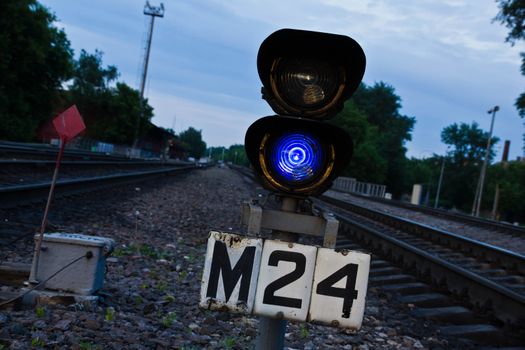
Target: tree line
40	78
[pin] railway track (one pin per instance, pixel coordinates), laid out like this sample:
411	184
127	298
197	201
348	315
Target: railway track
17	172
16	150
27	181
22	194
473	290
495	226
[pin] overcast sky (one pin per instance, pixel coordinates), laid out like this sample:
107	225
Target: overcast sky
445	58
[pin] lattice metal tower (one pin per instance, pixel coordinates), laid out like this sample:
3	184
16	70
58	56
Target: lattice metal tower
153	11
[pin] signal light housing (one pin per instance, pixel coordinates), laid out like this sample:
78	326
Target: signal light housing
309	74
297	157
306	76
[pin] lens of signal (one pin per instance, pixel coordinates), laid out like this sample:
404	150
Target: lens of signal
306	82
296	157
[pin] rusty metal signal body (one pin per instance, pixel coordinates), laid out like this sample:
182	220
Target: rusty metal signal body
307	76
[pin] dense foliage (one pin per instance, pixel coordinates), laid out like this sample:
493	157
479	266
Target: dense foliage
379	132
35	59
192	140
112	113
462	166
467	145
235	154
512	15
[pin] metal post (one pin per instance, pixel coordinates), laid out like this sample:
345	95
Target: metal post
485	161
494	214
271	331
436	202
38	245
504	164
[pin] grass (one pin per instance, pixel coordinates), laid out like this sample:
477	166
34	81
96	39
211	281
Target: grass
110	314
85	345
229	342
183	274
169	298
142	249
37	342
168	320
40	311
162	286
303	332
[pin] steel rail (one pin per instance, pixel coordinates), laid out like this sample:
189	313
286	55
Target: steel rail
505	303
446	214
508	259
12	148
34	162
22	194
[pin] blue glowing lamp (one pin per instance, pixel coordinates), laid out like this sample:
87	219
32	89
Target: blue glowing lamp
297	156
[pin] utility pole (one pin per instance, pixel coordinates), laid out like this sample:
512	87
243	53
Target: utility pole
504	165
152	11
481	182
436	202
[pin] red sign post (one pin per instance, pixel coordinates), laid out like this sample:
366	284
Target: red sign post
68	125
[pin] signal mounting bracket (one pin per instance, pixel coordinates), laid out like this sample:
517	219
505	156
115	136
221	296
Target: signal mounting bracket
255	218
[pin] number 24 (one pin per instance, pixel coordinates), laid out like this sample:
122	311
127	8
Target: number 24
324	287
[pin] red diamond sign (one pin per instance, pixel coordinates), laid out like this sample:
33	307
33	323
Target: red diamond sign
69	124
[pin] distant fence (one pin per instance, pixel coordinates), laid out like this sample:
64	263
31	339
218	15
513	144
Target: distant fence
87	144
351	185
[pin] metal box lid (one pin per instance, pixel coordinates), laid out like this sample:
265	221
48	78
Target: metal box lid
78	239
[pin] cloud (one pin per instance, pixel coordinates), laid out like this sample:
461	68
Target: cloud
446	59
220	126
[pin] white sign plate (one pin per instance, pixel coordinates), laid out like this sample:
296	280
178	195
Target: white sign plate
230	272
339	288
285	280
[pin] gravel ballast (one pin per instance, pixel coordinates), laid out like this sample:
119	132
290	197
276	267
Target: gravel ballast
152	286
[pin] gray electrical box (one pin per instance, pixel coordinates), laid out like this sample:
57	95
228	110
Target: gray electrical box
85	276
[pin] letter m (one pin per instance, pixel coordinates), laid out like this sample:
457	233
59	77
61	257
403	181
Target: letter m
221	266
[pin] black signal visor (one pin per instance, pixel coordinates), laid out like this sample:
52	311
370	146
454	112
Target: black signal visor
297	156
309	74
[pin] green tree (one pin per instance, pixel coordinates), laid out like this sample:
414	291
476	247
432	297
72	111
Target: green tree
467	151
512	15
234	154
110	112
512	190
468	142
367	164
192	138
237	155
35	59
381	106
90	77
426	171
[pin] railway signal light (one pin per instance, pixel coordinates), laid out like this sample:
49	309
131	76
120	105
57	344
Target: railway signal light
307	77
